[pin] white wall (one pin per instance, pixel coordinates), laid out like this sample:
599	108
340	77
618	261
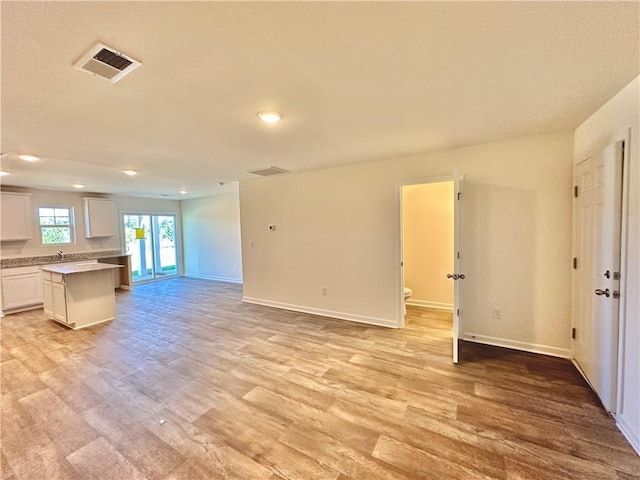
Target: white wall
427	236
339	228
212	238
610	123
40	198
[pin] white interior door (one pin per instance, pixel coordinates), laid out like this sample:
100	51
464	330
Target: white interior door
458	275
598	227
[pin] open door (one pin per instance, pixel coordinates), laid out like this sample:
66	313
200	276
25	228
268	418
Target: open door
598	210
458	275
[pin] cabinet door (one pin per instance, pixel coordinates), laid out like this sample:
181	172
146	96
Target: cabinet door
47	294
20	290
99	218
59	302
16	215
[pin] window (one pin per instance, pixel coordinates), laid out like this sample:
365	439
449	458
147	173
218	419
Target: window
56	225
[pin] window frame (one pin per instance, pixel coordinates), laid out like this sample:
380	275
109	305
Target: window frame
71	225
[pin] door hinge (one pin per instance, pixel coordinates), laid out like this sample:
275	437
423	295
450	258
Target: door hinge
402	264
616	294
573	333
575	262
458	254
575	191
459	195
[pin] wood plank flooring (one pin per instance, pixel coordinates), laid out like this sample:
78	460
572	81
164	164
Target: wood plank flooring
189	383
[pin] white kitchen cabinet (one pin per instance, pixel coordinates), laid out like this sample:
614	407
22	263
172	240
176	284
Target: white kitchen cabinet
47	297
16	216
59	297
99	217
21	289
55	297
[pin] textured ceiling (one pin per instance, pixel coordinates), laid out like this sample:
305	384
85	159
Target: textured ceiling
355	81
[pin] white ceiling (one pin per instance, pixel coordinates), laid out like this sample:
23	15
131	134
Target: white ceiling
355	81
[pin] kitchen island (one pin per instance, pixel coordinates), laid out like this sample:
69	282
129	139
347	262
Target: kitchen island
79	295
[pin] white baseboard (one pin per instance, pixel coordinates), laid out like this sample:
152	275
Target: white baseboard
632	437
516	345
428	304
213	277
382	322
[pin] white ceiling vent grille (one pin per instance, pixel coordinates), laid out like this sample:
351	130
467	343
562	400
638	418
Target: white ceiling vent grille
267	171
106	62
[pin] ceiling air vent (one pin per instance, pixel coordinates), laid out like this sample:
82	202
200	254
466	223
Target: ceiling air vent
266	171
106	62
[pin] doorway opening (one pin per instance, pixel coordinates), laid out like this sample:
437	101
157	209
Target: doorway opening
430	271
151	241
427	244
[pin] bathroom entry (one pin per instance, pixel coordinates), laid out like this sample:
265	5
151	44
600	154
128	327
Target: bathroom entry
429	232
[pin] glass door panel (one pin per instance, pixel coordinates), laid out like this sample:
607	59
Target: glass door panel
150	240
164	228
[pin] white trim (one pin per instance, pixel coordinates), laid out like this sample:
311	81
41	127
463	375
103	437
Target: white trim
213	277
381	322
429	304
516	345
628	433
623	286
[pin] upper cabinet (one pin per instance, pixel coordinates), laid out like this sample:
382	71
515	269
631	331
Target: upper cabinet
99	217
15	209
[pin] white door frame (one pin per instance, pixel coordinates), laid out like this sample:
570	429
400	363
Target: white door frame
400	239
624	271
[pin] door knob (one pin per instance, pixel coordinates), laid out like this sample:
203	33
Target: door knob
461	276
454	276
604	292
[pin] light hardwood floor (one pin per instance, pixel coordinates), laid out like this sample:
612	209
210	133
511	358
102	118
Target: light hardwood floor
189	383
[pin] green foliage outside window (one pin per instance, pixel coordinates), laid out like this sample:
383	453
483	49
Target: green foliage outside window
55	225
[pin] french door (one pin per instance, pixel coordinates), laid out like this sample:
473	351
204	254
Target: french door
151	242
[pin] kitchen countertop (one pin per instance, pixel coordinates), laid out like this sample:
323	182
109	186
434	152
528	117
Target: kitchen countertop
79	268
71	257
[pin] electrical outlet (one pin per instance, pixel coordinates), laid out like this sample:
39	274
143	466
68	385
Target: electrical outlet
496	313
323	291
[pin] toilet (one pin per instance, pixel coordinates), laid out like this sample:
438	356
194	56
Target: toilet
407	293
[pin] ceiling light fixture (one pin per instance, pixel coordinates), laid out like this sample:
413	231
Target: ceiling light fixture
270	116
4	172
131	173
77	185
28	158
183	192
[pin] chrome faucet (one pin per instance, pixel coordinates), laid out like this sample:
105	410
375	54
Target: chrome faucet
61	255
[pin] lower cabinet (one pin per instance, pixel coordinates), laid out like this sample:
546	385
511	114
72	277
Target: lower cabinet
55	297
59	302
47	297
21	289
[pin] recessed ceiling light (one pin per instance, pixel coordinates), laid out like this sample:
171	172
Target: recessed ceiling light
270	116
183	192
77	185
131	173
28	158
3	173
